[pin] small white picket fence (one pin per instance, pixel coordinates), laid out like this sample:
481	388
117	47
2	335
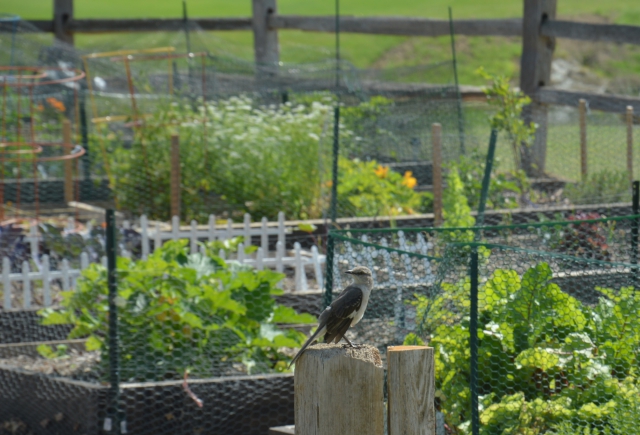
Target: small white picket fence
65	278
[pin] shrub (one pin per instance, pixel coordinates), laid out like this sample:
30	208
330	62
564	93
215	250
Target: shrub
546	359
602	186
180	311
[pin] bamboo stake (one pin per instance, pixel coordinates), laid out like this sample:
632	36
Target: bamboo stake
436	140
583	138
68	163
175	175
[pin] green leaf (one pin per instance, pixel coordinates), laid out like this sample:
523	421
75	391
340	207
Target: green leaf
45	351
537	359
284	314
307	228
93	343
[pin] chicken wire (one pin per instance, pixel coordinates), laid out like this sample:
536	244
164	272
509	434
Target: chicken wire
554	309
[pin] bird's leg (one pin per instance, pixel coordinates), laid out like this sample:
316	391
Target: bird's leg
354	345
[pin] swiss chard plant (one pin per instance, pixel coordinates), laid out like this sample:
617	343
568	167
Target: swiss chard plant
179	311
548	363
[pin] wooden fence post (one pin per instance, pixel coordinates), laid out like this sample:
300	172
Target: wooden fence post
339	390
175	175
436	141
411	390
630	142
582	110
62	14
68	163
265	39
535	73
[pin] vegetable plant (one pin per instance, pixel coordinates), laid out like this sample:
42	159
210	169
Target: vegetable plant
179	311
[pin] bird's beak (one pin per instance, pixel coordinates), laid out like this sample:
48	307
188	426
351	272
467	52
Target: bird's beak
350	272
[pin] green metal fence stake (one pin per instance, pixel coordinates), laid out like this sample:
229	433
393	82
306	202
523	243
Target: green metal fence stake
473	341
336	152
634	228
114	363
455	77
487	177
328	282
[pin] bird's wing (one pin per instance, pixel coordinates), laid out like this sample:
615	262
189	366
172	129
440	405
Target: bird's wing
342	312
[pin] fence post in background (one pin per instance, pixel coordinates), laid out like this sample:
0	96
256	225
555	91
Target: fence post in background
635	226
112	421
175	175
473	341
411	390
265	39
68	163
339	391
582	109
630	142
436	140
535	73
62	15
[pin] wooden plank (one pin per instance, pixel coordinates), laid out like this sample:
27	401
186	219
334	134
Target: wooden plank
398	25
155	24
62	15
265	38
339	390
535	73
436	142
411	388
582	109
605	103
591	32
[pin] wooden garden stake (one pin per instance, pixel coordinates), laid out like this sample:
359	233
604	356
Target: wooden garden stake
436	140
175	175
630	142
582	107
411	389
68	163
339	390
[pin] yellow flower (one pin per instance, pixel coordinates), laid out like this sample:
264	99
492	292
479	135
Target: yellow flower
329	183
409	180
382	171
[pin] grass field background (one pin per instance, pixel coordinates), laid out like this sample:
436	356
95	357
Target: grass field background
497	55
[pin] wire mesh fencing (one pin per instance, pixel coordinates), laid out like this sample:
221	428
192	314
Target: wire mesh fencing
532	325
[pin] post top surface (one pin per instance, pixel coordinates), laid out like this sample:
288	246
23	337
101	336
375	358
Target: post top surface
406	348
365	352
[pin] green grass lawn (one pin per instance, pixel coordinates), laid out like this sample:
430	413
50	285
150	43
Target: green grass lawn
497	55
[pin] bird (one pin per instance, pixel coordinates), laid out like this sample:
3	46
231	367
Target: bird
344	312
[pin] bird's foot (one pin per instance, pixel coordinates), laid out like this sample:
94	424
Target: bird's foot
352	344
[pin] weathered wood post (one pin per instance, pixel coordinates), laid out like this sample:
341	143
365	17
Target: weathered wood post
535	73
411	390
630	142
62	15
582	110
265	39
339	390
68	163
436	141
175	175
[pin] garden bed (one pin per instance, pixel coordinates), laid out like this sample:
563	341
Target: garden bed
243	405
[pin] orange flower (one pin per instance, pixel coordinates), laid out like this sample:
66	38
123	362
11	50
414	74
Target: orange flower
382	171
409	180
39	107
56	104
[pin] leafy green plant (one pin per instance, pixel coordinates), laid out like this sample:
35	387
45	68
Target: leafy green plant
370	189
508	117
179	311
603	186
505	189
49	352
547	360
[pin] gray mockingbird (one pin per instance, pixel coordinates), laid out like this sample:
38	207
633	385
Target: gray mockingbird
345	311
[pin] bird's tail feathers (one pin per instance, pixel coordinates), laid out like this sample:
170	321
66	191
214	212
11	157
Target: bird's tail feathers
306	344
